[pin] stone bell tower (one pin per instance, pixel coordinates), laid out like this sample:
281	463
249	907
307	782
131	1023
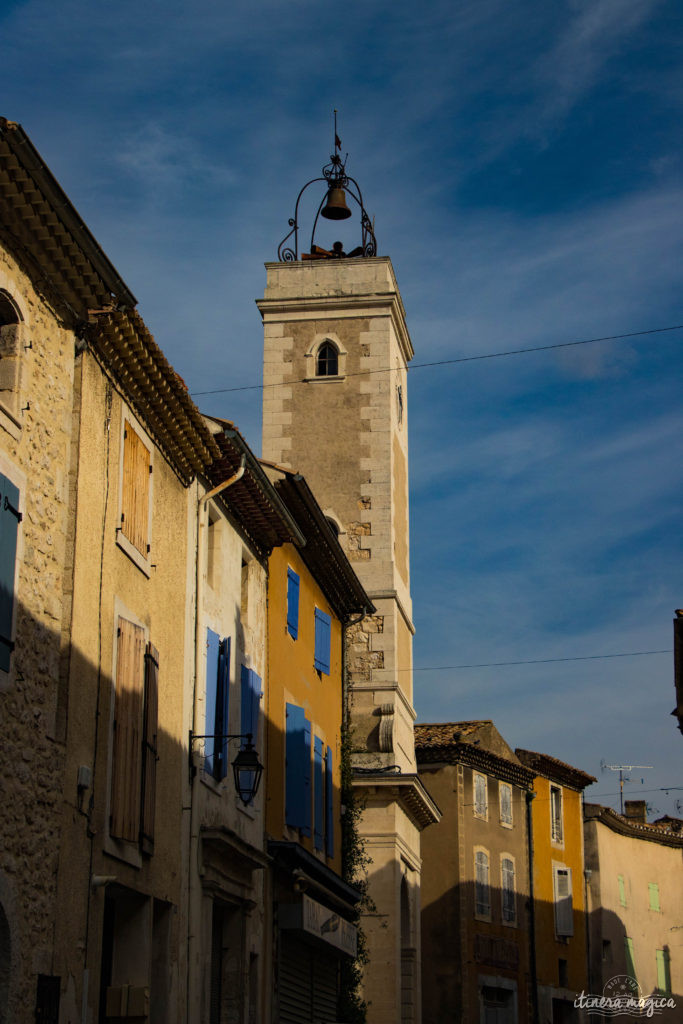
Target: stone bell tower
335	409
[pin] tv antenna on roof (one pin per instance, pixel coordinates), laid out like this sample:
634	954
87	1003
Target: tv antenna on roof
621	768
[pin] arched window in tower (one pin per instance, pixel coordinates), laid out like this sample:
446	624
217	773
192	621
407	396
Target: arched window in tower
327	360
10	352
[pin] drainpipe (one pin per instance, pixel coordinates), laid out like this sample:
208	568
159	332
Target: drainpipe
532	911
194	909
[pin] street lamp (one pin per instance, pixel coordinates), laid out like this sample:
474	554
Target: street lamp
247	769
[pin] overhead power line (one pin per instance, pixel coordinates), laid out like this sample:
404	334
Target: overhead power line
448	362
536	661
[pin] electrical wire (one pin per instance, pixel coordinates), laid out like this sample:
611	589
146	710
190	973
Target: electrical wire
536	661
448	362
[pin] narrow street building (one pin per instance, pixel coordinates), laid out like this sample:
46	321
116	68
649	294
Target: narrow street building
476	893
313	592
635	903
559	885
239	519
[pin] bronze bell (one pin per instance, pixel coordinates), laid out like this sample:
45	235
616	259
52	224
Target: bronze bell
335	208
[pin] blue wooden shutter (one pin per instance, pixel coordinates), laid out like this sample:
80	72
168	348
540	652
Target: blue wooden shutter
212	656
294	769
298	770
323	632
329	805
222	708
9	522
251	703
306	827
292	603
318	794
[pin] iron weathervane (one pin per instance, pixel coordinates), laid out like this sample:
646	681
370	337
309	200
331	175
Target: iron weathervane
339	186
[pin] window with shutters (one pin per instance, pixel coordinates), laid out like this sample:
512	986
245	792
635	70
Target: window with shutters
663	972
505	800
216	703
482	888
134	743
323	808
251	696
507	889
292	603
621	885
318	794
480	792
556	824
630	957
10	519
564	909
134	531
323	639
653	895
298	795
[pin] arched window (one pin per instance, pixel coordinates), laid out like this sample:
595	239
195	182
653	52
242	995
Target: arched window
327	360
10	326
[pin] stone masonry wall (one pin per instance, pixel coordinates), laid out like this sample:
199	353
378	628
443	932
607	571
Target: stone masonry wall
35	456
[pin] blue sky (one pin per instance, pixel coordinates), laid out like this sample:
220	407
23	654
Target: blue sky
523	165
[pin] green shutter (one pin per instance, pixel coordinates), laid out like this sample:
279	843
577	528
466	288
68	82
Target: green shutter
630	959
663	972
653	891
622	890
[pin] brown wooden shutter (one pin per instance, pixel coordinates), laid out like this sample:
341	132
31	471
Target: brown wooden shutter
135	498
149	748
124	822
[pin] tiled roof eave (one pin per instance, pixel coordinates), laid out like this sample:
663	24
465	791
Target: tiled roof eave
159	398
475	757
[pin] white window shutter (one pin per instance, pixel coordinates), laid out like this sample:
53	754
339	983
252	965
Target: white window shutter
564	910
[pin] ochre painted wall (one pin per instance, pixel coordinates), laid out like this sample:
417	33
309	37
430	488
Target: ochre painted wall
292	678
568	853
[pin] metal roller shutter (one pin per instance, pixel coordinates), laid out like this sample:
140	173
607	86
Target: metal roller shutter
308	983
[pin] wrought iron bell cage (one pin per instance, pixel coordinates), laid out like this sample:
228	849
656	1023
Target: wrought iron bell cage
338	185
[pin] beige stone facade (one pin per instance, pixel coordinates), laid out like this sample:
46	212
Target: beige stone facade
35	451
476	909
635	904
347	433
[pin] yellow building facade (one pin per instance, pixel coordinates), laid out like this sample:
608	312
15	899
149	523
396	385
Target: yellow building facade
559	884
312	594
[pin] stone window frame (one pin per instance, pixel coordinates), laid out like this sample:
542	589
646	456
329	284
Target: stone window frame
10	398
311	357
